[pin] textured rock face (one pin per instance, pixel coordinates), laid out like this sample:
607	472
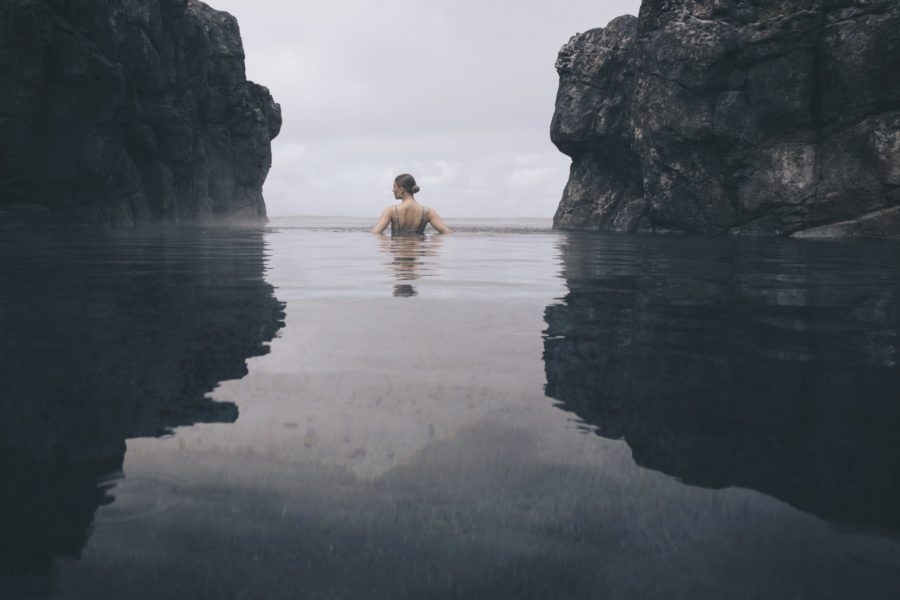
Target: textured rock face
125	111
754	117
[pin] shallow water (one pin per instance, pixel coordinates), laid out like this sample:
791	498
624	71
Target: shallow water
308	410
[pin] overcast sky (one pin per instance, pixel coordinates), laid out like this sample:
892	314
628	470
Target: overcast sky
457	92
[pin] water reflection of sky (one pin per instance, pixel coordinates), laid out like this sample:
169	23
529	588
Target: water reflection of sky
476	262
407	447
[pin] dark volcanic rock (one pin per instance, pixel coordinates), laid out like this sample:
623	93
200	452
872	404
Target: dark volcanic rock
124	111
753	117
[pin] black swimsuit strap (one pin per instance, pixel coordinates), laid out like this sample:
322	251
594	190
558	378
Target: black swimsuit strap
395	221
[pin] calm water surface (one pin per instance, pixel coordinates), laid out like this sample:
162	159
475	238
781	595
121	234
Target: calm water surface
310	411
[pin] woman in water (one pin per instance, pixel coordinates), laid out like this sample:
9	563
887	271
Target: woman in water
409	216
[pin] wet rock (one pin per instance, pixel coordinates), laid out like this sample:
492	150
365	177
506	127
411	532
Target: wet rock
749	117
118	112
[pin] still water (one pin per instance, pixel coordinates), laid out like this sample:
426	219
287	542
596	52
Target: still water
306	410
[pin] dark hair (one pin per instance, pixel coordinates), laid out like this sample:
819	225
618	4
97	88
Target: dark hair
407	182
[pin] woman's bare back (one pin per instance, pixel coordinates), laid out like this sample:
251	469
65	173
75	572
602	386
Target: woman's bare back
409	216
409	219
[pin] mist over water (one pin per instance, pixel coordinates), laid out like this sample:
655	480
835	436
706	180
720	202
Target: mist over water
308	409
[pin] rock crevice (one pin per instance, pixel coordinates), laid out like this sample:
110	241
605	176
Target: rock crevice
749	117
119	112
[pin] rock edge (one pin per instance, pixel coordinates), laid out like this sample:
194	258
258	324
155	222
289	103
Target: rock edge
120	112
745	117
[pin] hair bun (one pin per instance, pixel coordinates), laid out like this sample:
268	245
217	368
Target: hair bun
414	190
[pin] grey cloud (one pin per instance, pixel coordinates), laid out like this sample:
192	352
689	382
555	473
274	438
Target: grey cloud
368	88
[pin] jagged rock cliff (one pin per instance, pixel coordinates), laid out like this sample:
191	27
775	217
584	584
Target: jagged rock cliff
754	117
125	111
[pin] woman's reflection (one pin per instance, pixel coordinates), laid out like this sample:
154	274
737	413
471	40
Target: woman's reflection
408	259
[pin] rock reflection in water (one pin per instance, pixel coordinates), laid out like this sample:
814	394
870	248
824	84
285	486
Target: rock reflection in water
108	337
768	365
